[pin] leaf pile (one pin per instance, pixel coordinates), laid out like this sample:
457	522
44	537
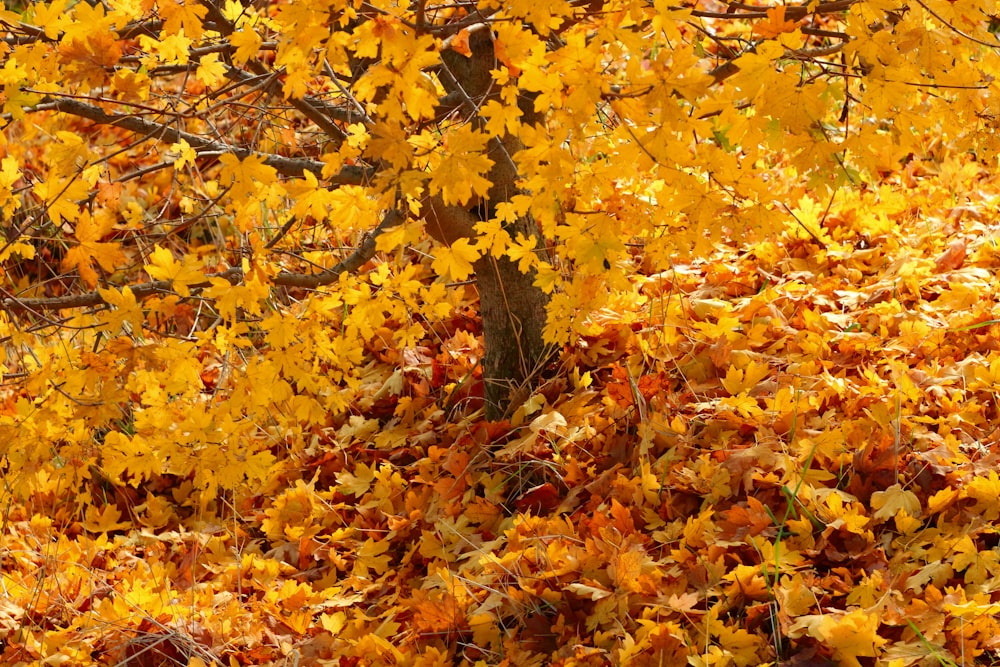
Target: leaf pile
782	453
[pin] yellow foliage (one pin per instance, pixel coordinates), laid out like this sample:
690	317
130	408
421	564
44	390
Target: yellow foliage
241	412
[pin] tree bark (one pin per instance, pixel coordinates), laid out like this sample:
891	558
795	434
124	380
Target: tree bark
513	312
512	307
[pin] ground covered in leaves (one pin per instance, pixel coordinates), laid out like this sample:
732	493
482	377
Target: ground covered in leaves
781	453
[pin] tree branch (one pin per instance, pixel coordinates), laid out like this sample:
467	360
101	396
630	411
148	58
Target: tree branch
307	107
320	112
792	13
349	175
25	33
364	252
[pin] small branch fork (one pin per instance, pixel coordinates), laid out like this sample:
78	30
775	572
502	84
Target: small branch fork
287	166
739	11
362	254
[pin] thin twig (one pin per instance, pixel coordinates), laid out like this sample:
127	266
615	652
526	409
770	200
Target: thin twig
956	29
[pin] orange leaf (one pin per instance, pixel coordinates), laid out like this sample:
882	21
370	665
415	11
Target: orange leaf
460	43
952	258
775	24
89	231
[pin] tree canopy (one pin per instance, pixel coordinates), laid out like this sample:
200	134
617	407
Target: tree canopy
498	331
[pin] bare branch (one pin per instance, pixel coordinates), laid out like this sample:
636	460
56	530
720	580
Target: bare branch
316	110
792	13
353	262
349	175
25	33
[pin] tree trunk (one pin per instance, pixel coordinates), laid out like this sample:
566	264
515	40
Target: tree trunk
512	307
513	312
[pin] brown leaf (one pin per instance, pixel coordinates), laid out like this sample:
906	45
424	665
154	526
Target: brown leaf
952	258
538	500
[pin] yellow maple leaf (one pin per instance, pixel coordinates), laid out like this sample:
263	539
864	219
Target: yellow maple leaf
131	86
311	199
185	154
390	142
163	266
250	467
547	277
492	238
130	459
125	309
10	173
986	492
104	520
52	18
502	117
851	635
246	175
25	250
737	381
893	500
281	331
171	50
978	565
89	20
840	514
420	97
455	262
333	623
69	153
726	327
742	404
183	16
369	557
61	195
230	298
210	70
391	238
459	174
524	252
941	500
357	483
247	43
89	232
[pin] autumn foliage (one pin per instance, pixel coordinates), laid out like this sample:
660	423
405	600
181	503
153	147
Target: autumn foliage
273	388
